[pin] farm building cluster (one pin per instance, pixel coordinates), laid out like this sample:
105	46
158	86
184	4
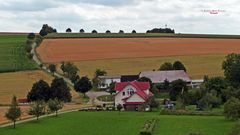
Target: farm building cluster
132	94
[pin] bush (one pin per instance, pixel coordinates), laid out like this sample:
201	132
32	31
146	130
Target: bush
29	42
30	56
185	112
28	48
31	36
235	130
232	109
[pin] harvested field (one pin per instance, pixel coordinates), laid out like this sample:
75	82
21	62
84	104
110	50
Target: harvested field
58	50
19	83
197	65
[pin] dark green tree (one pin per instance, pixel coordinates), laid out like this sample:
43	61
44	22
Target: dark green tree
94	31
60	90
83	85
177	88
134	31
177	65
217	84
121	31
232	109
40	91
81	31
52	68
231	67
68	30
166	66
14	112
100	72
108	31
31	36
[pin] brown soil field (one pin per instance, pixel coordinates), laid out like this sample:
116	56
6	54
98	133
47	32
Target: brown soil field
58	50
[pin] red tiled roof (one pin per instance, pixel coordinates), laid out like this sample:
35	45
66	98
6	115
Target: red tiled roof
139	86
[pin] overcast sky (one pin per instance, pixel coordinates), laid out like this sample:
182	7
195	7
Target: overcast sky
185	16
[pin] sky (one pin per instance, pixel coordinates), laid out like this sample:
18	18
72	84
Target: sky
185	16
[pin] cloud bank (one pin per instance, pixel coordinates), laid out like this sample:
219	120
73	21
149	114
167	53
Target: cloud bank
184	16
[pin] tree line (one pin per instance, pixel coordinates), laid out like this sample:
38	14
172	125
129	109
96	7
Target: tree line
46	29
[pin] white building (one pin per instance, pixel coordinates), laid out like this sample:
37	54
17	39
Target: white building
132	95
105	81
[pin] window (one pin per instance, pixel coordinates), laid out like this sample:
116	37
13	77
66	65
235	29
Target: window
123	93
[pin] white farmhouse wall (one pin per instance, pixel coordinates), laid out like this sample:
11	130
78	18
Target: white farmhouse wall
135	98
107	82
119	96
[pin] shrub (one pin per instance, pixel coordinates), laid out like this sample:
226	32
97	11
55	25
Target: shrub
235	130
30	56
28	48
232	109
31	36
29	42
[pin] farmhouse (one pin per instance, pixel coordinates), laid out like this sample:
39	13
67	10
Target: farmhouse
161	76
132	95
105	81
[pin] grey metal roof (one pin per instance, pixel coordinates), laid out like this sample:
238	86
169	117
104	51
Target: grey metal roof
161	76
109	77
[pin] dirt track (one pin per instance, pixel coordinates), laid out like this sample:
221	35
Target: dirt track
58	50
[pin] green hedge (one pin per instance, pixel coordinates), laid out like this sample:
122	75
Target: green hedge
185	112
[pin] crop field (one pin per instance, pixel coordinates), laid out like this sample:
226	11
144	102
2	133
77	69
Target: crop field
19	83
12	53
197	65
137	35
125	123
58	50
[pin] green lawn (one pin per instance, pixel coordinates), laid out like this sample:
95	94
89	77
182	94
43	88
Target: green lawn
127	123
12	54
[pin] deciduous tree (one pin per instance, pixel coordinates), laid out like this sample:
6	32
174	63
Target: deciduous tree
14	112
37	108
55	105
83	85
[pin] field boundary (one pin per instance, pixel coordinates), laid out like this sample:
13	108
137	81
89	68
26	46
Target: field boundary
137	35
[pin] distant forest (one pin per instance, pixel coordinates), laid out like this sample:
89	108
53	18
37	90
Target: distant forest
161	30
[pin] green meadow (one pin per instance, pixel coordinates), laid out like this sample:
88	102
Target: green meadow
13	55
125	123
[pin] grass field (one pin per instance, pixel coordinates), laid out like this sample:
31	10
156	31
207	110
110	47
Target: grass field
129	35
12	54
197	65
127	123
